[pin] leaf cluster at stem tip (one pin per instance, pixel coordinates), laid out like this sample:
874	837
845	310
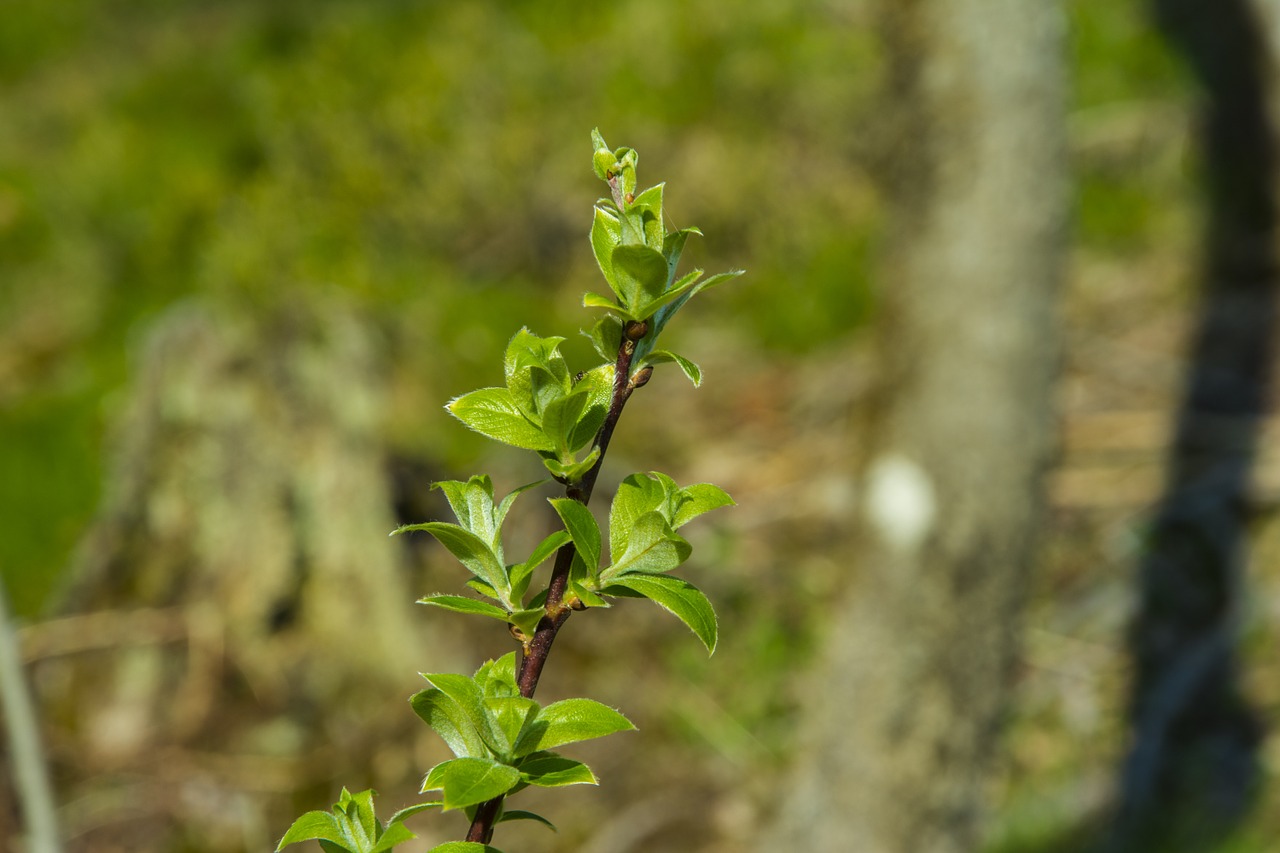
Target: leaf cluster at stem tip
502	739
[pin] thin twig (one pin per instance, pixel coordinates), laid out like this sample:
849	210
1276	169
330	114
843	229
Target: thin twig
30	770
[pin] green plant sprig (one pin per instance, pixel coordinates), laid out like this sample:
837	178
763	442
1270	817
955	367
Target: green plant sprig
502	739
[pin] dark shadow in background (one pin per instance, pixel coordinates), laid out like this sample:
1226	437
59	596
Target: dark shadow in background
1192	771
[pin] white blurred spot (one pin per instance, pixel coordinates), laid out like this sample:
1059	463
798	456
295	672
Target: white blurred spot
900	501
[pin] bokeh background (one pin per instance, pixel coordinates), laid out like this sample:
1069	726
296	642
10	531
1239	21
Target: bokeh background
248	250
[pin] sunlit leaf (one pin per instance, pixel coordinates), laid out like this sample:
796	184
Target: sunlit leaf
467	781
678	597
570	721
582	526
493	413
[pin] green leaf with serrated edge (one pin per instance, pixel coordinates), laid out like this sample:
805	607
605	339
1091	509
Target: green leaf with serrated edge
672	291
598	383
690	369
493	413
449	720
664	314
536	373
525	350
673	247
470	698
555	771
472	505
498	677
311	826
641	273
470	549
582	526
356	816
484	589
586	596
574	472
637	494
521	814
395	834
717	279
653	547
595	300
678	597
462	604
521	573
571	721
409	811
500	512
526	621
467	781
697	499
606	235
463	847
606	336
560	419
649	204
514	714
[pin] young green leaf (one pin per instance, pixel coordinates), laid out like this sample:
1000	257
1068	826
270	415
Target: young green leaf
641	274
513	714
574	471
498	677
560	421
522	572
526	621
678	597
636	495
595	300
649	205
554	771
462	604
394	835
697	499
606	235
500	512
470	549
493	413
467	781
521	814
690	369
463	847
451	721
469	695
472	505
314	826
653	547
582	526
606	337
570	721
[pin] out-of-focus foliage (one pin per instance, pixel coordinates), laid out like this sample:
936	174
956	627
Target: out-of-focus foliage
151	151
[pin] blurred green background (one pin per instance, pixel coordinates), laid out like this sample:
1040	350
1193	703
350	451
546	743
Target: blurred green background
430	161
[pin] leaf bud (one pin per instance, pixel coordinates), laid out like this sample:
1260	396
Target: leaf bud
636	330
641	377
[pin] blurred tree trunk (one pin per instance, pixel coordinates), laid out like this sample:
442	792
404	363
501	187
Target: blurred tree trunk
238	624
1195	741
901	716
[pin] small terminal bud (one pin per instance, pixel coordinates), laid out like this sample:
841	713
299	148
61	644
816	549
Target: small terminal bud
635	331
642	376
